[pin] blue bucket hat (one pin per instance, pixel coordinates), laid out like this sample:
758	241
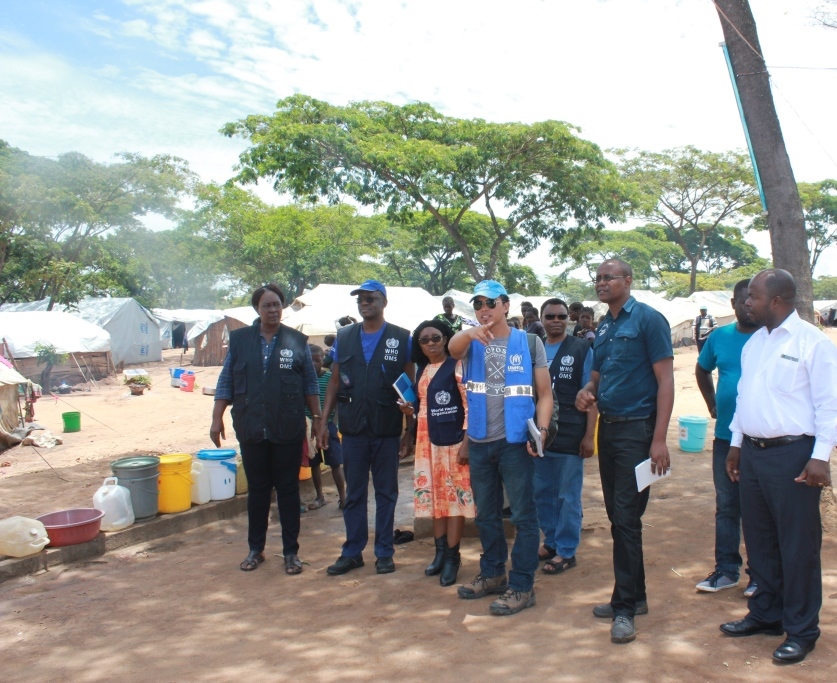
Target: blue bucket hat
490	289
370	286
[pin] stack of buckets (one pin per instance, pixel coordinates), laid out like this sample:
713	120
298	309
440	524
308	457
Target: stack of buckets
692	433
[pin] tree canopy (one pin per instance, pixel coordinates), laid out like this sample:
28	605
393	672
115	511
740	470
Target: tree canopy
819	204
542	176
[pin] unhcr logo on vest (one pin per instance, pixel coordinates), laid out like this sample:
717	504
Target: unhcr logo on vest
515	363
286	359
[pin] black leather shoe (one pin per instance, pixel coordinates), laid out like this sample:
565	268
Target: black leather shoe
748	627
344	564
384	565
791	652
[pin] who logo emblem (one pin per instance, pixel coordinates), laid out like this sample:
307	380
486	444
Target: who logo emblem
442	398
567	360
392	343
286	353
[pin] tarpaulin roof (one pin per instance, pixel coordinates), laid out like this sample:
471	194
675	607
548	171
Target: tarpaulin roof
196	319
134	332
67	333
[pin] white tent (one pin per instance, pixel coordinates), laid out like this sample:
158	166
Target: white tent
67	333
9	406
41	305
134	333
196	320
315	313
247	315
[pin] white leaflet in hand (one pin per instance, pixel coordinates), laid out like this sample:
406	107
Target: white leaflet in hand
535	434
644	476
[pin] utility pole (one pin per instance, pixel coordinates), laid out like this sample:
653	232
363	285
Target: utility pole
785	220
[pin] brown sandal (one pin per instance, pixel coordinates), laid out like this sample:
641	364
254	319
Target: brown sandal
251	562
292	565
558	565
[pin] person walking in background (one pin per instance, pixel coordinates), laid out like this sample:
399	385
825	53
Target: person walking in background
268	377
506	385
632	383
368	358
333	455
559	475
450	318
703	325
723	351
783	431
442	482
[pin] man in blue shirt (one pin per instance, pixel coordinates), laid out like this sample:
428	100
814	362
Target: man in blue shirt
723	351
632	384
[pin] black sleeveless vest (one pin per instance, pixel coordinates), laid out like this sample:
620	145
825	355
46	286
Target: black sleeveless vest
366	399
268	405
565	371
445	412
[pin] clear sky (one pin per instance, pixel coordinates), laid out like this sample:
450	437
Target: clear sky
162	76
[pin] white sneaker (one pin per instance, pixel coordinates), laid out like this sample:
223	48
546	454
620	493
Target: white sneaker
716	581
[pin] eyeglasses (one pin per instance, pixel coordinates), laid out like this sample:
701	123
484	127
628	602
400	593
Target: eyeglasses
367	299
435	338
491	303
607	278
553	316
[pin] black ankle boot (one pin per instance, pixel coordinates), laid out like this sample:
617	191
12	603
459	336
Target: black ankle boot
451	565
436	566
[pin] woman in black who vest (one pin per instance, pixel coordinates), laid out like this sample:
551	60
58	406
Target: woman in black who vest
442	484
268	378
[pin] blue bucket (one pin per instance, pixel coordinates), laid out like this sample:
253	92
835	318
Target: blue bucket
175	376
692	433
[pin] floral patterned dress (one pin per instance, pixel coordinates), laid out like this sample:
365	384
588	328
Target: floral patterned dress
442	486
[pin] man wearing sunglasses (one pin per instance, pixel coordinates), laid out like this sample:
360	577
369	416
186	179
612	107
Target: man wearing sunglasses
559	475
632	383
503	383
368	358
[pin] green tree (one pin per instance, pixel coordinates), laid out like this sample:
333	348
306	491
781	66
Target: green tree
825	288
819	204
570	288
687	189
679	284
545	178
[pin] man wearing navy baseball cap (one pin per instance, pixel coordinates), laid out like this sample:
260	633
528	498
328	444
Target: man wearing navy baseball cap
368	358
507	382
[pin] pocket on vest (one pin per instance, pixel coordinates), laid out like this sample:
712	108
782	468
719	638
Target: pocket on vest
239	375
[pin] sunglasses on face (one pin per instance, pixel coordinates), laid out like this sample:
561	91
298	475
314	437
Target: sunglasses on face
555	316
367	299
491	303
607	278
435	338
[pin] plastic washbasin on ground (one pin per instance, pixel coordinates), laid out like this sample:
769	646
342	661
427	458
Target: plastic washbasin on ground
692	433
69	527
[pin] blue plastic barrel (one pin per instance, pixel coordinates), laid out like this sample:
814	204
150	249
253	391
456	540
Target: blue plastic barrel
692	433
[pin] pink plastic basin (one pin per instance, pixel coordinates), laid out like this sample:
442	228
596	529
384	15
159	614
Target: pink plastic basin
69	527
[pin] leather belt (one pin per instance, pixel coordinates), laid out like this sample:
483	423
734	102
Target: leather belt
621	418
772	443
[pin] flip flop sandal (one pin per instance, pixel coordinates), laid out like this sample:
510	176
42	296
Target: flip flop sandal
251	562
292	565
317	504
558	566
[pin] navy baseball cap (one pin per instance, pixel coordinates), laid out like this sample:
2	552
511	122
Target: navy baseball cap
490	289
370	286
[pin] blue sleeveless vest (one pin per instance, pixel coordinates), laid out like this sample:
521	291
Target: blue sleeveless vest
519	404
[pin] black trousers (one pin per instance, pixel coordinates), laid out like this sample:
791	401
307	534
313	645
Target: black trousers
271	466
622	446
783	537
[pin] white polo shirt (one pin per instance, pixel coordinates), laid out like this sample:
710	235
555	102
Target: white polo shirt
788	386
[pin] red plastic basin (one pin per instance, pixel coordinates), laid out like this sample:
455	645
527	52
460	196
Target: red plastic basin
69	527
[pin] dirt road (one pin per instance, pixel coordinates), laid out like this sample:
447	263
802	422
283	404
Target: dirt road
180	610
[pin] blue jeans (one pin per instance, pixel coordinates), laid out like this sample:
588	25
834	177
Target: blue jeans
559	478
362	454
494	466
727	514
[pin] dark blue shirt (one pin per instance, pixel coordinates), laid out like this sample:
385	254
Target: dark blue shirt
624	353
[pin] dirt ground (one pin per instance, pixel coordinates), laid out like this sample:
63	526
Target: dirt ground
179	609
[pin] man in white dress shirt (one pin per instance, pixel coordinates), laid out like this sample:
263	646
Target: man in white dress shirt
783	431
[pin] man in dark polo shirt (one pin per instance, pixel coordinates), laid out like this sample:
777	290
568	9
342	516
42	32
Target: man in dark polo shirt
632	384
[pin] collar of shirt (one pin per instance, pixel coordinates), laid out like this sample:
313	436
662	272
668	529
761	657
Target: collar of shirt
627	307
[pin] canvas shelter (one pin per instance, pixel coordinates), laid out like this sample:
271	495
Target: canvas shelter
10	417
176	322
87	344
134	332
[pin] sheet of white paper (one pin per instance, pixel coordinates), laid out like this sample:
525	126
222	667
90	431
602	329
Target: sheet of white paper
535	434
644	477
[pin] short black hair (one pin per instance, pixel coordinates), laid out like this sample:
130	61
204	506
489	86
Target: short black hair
417	355
555	302
346	320
328	340
589	311
259	293
740	285
314	348
626	269
575	306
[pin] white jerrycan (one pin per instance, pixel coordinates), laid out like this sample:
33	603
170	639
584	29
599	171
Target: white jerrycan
201	491
115	502
21	536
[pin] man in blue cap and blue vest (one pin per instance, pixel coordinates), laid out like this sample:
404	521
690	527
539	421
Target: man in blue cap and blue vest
368	357
506	386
